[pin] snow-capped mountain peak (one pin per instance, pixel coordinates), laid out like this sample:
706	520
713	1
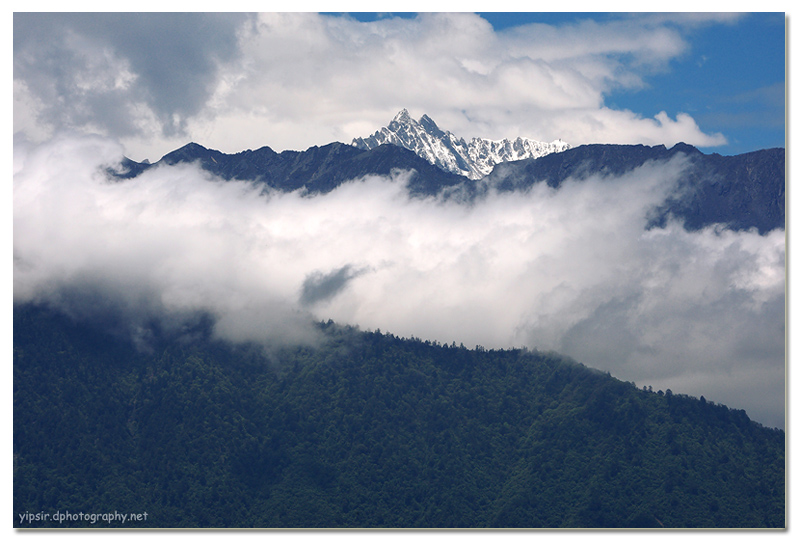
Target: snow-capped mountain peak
473	159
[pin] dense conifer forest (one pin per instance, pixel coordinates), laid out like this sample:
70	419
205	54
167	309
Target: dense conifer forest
367	430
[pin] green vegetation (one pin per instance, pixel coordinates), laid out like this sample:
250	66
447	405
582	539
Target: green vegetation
368	430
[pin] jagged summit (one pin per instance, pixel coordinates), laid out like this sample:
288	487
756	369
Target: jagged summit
450	153
402	117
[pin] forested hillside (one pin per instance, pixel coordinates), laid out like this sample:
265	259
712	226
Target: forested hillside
368	430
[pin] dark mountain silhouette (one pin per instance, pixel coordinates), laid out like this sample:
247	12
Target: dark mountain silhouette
317	169
742	191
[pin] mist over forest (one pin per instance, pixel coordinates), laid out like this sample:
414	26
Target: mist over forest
576	269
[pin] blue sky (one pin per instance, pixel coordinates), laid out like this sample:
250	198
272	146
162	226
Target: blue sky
732	81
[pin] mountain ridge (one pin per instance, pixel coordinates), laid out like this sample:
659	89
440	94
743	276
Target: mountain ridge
740	191
318	169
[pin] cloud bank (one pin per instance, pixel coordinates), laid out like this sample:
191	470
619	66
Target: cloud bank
572	270
293	80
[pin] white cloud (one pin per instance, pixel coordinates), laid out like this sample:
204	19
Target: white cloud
606	125
312	77
570	269
293	80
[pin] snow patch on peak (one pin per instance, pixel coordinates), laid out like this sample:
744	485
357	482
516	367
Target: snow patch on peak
441	148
